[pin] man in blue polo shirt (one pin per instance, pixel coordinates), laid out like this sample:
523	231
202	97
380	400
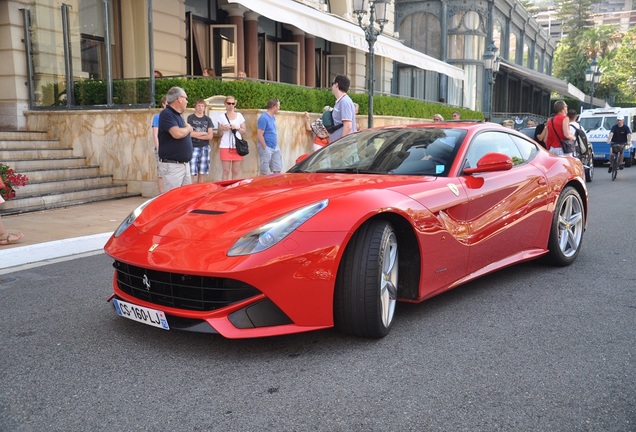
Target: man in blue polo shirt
271	160
175	143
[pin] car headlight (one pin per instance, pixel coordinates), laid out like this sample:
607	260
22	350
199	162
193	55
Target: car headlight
273	232
131	218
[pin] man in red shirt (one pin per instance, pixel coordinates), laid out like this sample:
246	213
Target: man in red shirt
557	129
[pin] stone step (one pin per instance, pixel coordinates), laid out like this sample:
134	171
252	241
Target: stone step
34	188
52	174
16	154
56	177
52	163
18	144
23	135
48	204
21	204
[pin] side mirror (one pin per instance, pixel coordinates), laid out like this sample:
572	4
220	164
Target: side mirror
491	162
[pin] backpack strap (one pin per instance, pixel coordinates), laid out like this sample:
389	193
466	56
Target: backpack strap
551	121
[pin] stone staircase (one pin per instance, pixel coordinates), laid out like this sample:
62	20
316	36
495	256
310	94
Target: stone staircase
56	177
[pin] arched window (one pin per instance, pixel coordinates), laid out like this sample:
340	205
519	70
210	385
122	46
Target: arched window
512	51
466	36
496	35
422	31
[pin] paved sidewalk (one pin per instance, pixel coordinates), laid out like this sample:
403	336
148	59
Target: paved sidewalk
63	232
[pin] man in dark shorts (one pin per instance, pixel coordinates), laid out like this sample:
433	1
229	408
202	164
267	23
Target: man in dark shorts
619	135
175	143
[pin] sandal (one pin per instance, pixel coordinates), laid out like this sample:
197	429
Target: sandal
10	238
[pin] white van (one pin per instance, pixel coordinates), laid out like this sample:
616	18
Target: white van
598	122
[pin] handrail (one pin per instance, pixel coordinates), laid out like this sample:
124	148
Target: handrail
26	21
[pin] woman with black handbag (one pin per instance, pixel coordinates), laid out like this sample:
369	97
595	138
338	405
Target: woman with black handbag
231	127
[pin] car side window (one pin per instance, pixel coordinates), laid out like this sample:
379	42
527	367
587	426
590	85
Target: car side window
526	148
493	142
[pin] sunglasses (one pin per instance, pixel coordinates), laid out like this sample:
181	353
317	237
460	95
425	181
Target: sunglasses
230	103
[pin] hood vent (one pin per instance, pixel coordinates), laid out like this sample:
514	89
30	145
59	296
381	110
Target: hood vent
208	212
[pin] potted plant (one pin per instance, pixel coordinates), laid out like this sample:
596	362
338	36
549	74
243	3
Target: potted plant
10	181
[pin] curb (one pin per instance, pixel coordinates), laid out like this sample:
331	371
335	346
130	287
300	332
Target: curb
30	254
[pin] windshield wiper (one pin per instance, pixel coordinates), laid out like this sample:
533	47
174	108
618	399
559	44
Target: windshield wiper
338	170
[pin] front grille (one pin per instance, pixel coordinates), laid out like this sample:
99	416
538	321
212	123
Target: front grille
181	291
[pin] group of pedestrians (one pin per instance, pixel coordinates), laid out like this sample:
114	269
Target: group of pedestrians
182	147
563	126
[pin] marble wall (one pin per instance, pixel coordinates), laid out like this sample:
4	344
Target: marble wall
120	141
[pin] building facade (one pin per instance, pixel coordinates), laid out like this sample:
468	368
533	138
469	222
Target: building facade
428	50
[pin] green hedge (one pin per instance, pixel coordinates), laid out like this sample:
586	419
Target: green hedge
255	94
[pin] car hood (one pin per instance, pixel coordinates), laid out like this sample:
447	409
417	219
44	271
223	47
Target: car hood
216	210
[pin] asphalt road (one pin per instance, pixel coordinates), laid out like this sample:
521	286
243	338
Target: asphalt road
530	348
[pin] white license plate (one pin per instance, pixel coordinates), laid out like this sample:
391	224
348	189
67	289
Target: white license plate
155	318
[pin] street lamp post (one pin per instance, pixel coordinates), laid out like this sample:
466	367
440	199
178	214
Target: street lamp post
377	14
593	76
491	67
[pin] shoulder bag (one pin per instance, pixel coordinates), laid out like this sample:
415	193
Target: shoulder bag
241	145
566	144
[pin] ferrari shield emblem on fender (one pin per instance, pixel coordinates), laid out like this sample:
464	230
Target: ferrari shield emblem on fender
453	189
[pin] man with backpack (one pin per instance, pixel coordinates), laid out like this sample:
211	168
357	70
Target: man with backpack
579	134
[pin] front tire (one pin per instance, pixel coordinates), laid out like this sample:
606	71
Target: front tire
366	284
568	223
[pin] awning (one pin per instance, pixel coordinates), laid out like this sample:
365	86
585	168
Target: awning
544	81
335	29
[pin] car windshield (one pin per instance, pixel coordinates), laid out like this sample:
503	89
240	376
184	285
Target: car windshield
593	123
398	151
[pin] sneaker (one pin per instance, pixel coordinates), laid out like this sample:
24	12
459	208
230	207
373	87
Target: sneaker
621	167
609	170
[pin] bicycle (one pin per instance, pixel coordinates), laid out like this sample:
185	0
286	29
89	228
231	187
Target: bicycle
617	150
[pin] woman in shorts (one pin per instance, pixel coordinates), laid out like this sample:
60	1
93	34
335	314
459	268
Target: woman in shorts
231	120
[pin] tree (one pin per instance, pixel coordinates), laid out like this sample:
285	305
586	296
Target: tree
570	63
598	41
575	16
614	51
622	72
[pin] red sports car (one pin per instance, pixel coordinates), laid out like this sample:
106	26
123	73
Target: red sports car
396	213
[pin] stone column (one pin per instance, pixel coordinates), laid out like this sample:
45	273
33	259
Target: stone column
310	60
251	44
235	16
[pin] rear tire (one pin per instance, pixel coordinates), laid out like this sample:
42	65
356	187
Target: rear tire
568	224
366	284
